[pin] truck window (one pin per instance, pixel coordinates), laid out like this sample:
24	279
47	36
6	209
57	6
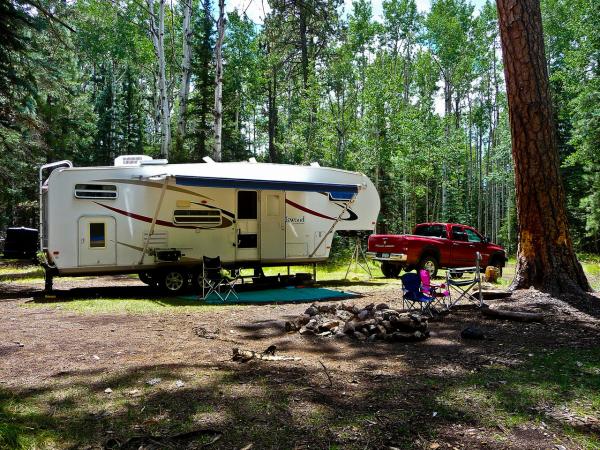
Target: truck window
472	236
431	231
458	234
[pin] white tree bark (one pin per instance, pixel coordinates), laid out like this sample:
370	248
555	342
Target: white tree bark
218	110
158	39
184	89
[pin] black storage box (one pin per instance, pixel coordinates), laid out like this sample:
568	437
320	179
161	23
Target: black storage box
21	243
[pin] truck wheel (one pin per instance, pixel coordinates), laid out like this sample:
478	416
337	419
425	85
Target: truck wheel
497	264
390	270
430	264
173	281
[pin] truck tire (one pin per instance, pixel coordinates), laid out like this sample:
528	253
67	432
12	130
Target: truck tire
390	270
497	263
430	264
173	281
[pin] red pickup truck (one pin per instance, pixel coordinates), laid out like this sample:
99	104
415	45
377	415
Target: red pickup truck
431	246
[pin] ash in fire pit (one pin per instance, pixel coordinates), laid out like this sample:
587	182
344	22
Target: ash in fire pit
369	323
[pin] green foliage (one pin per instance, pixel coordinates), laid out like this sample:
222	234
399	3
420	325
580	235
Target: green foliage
414	100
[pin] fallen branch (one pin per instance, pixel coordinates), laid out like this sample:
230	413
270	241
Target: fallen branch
247	355
326	373
512	315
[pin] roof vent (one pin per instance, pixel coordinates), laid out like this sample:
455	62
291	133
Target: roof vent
131	160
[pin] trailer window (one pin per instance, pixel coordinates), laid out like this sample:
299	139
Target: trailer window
197	216
247	205
97	235
96	191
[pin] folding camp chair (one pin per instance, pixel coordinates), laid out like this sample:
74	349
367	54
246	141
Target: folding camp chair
463	287
437	291
213	280
413	296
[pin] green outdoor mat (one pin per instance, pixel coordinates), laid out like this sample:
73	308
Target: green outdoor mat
285	295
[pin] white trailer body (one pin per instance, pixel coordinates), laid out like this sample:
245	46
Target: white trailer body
147	215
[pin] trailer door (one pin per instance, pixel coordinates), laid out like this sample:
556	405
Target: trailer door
272	225
247	226
97	241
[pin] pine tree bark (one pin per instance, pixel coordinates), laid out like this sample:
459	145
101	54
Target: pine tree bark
546	259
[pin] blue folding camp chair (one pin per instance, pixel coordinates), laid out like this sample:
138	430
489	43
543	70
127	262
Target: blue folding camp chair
413	296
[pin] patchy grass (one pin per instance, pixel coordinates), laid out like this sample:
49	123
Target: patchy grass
541	390
12	272
130	305
73	410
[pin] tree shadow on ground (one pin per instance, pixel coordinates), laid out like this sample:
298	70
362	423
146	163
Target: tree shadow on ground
440	390
285	406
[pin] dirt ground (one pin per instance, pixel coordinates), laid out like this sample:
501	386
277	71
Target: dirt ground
72	379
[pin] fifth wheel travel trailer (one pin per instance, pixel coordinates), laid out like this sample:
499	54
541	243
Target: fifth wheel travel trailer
159	220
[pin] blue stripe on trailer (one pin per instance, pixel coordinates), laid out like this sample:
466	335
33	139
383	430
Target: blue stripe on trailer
337	191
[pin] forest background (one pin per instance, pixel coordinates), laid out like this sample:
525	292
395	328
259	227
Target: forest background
415	100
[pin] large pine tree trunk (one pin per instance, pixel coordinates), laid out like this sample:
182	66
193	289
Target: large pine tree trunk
546	259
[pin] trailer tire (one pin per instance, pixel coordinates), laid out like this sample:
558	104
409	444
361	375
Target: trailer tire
430	264
148	278
390	270
173	281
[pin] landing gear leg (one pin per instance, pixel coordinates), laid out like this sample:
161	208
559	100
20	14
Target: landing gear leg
48	278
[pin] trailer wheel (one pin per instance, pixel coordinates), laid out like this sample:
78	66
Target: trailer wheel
390	270
173	281
148	278
430	264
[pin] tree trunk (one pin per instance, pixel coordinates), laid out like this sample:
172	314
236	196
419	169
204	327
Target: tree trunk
218	111
158	39
272	106
546	259
185	70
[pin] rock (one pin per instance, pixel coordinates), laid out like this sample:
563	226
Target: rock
343	315
311	311
303	319
387	324
179	384
96	357
472	332
358	335
154	381
329	325
306	331
382	306
349	327
108	391
381	329
355	309
370	306
324	334
291	326
312	324
372	338
363	314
